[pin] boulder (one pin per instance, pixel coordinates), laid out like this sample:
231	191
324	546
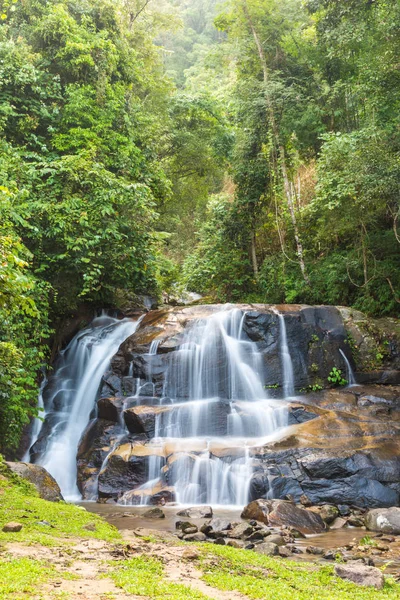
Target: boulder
258	510
216	528
240	530
289	515
282	513
267	549
386	520
196	512
45	484
361	574
12	527
154	513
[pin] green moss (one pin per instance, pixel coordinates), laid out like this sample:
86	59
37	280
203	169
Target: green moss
19	502
144	576
261	577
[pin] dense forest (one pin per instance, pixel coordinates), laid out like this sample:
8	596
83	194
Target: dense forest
246	150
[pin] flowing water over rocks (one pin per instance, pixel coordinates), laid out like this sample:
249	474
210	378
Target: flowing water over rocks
202	405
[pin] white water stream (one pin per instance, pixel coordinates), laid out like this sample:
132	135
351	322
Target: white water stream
73	393
351	379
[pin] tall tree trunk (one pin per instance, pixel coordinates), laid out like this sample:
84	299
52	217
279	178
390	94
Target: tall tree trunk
254	253
290	198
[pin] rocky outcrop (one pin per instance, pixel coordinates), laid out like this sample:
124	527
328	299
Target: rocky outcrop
45	484
343	444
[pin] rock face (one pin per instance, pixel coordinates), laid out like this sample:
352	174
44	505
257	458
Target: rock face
384	520
45	484
284	514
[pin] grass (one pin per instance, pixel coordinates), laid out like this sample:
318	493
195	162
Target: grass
261	577
20	577
19	501
144	576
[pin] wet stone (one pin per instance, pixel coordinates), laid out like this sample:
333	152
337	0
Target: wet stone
315	550
154	513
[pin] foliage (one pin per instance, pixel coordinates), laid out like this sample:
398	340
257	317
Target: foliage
336	377
220	260
23	329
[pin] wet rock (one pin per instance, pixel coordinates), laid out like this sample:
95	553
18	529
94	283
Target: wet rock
354	490
284	552
355	521
196	512
384	520
361	575
282	513
255	536
154	513
12	527
183	525
338	523
142	419
330	555
45	484
216	527
195	537
126	469
258	510
267	549
240	530
315	550
276	539
190	530
328	513
109	409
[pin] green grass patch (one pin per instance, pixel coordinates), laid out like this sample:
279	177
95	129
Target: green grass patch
261	577
21	577
144	576
19	502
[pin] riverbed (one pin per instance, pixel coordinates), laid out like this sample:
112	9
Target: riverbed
130	518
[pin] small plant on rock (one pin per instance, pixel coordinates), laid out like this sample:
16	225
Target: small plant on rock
336	377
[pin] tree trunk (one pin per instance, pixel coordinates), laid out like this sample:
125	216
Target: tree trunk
282	153
254	254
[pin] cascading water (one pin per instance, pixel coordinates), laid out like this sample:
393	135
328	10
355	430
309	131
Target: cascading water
216	408
70	395
286	360
350	373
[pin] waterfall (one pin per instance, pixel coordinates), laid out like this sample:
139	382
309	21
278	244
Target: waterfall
71	394
350	373
286	360
38	421
216	408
